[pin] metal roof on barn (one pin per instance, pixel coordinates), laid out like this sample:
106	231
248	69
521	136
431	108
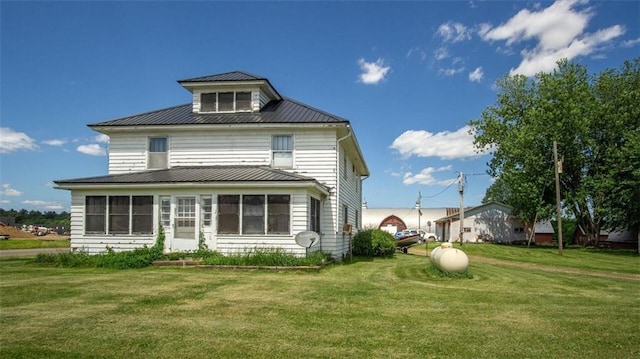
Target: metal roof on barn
195	174
275	112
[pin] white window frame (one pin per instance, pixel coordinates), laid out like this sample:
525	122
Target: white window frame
282	157
108	215
154	156
216	107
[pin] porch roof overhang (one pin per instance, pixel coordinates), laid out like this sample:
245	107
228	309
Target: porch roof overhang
198	177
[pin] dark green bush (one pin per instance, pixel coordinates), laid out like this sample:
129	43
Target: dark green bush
373	243
362	243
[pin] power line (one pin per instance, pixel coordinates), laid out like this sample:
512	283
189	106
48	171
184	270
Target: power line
454	181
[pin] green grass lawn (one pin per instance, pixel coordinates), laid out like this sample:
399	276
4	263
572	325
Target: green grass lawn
381	308
34	243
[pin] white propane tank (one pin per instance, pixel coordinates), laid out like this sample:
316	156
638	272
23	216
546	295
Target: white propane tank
449	259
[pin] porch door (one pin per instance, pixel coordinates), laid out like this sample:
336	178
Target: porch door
185	237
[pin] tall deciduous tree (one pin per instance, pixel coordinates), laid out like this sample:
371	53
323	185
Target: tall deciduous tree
596	122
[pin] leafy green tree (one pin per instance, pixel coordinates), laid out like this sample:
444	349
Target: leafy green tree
595	121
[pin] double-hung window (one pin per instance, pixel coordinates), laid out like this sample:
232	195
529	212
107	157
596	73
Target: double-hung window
157	153
282	150
314	215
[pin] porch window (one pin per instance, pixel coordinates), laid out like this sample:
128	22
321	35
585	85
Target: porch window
253	214
282	151
165	211
257	210
118	214
278	214
229	214
185	218
314	215
142	213
95	214
205	210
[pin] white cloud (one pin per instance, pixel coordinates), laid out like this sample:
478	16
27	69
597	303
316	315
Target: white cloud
11	141
52	206
558	32
450	71
425	177
54	142
8	191
441	53
445	145
631	43
535	61
102	138
5	201
373	72
476	75
453	32
93	149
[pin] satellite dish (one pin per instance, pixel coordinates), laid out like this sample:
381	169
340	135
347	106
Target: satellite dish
307	238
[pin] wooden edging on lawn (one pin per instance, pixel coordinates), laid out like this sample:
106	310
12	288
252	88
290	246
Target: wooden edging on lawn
198	263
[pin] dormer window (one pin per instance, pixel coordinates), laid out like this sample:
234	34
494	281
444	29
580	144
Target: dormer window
232	101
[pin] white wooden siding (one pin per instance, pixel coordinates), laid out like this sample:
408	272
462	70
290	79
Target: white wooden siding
315	155
226	244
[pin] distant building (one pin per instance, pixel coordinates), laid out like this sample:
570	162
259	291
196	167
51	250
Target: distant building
394	220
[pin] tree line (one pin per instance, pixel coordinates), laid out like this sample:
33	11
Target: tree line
595	122
47	219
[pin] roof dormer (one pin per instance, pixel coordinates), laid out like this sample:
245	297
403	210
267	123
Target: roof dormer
230	92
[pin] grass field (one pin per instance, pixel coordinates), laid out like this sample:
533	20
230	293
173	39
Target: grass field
382	308
34	243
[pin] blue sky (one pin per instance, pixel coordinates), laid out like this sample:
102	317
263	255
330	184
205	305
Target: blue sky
407	75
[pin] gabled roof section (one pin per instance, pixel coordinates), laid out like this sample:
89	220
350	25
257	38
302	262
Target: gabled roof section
280	111
195	174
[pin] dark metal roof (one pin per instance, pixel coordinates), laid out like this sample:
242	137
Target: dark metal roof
280	111
201	174
227	76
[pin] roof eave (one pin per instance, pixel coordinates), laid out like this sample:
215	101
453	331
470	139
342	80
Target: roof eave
106	129
170	185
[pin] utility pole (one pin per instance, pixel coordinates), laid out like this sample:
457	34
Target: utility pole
419	207
558	170
461	192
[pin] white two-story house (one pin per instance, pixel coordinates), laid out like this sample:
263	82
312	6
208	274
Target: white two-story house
240	167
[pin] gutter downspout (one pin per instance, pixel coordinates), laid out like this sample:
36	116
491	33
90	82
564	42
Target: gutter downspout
338	180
